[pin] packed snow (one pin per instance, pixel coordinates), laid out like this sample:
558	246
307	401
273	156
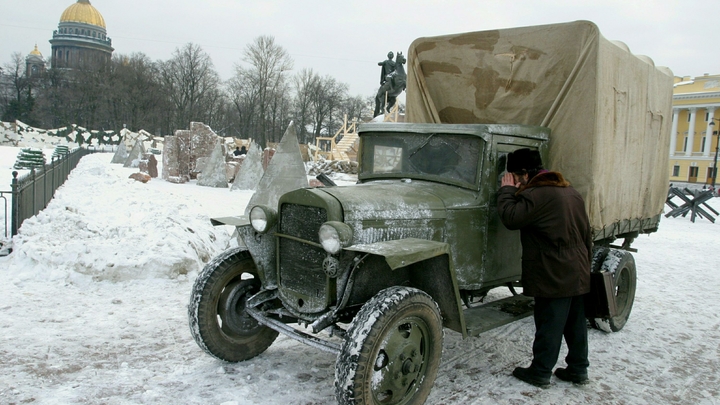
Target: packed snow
93	310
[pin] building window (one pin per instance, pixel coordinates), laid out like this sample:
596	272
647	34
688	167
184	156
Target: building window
707	117
685	142
694	171
702	147
676	171
689	115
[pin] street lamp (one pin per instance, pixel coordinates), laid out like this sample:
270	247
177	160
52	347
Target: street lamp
717	146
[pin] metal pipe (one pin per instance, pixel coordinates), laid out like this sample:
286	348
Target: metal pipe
717	146
293	333
715	170
15	209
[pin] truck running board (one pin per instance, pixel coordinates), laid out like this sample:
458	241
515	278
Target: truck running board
497	313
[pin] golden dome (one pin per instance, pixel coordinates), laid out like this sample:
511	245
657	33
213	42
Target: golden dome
36	51
83	12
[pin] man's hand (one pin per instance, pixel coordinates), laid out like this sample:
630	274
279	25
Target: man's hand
508	180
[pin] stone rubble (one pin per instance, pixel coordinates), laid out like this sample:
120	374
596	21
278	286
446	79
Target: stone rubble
323	166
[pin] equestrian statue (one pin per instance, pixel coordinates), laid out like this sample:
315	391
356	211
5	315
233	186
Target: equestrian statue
393	85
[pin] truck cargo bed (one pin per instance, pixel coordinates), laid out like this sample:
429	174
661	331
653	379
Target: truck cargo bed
609	111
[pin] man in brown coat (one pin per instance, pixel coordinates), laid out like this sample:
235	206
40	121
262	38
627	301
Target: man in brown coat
556	256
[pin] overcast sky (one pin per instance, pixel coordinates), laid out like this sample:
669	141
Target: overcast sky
347	39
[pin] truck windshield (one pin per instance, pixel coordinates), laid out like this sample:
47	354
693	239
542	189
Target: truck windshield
444	157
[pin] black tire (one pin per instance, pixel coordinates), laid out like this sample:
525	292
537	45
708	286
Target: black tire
622	265
599	255
391	353
218	320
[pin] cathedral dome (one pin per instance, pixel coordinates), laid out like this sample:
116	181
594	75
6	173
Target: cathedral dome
83	12
35	52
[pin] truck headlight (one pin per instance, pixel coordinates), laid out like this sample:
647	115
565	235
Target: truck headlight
334	236
262	218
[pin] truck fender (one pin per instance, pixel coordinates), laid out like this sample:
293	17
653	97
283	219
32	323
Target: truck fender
260	246
430	269
233	221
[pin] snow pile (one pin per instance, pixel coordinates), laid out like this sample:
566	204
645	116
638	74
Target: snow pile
20	134
106	226
124	338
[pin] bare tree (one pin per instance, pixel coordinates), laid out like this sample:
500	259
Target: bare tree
265	80
17	96
88	87
53	99
304	83
135	96
327	97
358	107
191	83
243	95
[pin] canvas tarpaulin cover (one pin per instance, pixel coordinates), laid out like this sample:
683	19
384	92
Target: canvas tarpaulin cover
609	111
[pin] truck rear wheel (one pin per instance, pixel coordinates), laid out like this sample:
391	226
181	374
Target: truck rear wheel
391	353
218	320
622	265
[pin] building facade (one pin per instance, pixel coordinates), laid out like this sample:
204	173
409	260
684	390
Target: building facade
694	139
34	63
81	38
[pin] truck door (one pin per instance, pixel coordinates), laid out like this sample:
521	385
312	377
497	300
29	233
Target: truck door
504	248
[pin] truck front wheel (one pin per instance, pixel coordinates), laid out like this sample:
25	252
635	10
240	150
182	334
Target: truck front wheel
392	350
622	265
218	320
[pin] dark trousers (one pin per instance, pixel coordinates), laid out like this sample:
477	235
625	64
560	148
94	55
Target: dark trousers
556	318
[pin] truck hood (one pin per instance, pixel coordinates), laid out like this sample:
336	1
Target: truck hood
396	200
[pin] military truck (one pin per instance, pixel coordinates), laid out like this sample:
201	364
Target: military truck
374	271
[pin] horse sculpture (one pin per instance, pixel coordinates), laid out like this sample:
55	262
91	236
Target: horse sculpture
394	85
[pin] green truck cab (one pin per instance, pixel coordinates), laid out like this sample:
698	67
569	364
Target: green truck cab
374	271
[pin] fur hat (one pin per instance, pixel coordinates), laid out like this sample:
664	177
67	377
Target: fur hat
523	159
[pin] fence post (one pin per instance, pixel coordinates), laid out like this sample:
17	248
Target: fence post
44	185
34	190
14	210
53	160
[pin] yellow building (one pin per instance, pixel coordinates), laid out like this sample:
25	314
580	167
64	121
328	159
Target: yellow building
694	141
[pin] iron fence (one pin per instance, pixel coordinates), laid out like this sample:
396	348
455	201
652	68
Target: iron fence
32	192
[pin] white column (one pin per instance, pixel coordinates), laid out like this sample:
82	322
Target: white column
691	132
673	133
709	131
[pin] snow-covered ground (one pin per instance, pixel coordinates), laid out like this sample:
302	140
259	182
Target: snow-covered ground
93	310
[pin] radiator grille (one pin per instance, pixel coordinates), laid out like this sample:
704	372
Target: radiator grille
301	272
301	266
302	221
